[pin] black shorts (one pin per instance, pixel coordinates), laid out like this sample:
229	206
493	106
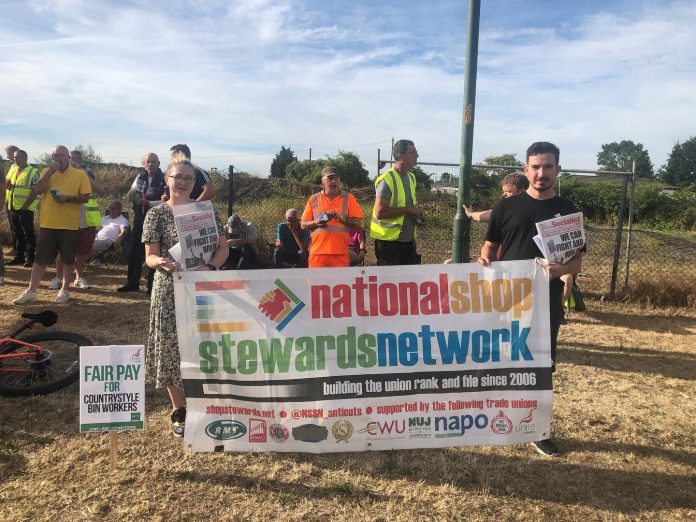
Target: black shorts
53	241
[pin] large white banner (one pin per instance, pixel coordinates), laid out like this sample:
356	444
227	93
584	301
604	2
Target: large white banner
365	358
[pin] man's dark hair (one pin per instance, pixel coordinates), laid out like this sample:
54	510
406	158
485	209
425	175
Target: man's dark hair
181	148
22	153
516	179
400	147
543	147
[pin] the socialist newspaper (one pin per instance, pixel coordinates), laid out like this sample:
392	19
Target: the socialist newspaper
560	238
198	234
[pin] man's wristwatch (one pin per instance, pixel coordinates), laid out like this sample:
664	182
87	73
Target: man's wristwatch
363	250
211	266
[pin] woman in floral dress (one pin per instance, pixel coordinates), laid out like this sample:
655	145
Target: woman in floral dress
159	235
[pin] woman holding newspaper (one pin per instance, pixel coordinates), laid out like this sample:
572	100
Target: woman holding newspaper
161	240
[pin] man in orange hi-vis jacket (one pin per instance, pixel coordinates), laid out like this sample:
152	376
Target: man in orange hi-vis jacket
328	216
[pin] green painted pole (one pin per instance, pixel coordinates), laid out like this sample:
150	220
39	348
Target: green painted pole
461	231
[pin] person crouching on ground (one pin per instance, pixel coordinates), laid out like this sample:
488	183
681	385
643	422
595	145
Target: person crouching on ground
159	235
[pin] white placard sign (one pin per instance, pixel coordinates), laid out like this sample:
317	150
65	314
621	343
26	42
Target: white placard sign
112	388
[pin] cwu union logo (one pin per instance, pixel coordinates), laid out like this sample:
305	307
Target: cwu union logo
280	305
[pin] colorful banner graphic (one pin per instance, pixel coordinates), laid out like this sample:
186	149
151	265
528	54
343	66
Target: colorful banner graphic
365	358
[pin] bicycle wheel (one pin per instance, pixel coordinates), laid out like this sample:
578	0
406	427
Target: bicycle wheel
57	367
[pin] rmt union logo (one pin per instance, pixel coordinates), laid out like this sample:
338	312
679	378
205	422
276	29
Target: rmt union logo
225	430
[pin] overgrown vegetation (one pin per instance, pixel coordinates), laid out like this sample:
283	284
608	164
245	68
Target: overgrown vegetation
654	206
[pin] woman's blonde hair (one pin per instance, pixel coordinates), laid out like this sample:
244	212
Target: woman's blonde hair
179	159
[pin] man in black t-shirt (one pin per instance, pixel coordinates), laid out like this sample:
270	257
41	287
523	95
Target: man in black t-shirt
513	225
203	188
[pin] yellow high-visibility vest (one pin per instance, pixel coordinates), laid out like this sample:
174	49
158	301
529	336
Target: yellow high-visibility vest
21	187
389	229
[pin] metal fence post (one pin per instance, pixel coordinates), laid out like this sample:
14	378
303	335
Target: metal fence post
230	191
630	224
617	242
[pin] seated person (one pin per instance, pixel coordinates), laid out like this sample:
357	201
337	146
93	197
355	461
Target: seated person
291	242
357	248
241	238
112	232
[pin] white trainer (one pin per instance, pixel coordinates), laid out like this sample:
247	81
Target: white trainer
26	297
81	282
55	283
62	296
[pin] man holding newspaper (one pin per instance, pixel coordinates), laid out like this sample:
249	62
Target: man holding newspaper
530	225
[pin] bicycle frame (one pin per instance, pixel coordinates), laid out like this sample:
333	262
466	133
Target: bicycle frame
37	350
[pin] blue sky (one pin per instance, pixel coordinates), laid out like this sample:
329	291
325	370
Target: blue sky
236	80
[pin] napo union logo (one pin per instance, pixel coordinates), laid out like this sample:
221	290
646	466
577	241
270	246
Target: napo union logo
278	433
225	430
342	430
501	424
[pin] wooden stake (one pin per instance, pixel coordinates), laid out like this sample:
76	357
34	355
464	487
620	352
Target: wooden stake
113	446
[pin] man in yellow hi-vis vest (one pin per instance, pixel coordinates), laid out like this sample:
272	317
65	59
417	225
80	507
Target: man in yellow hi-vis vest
396	214
19	181
9	152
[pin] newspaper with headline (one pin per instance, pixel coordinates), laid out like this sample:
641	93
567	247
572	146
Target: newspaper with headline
560	238
198	234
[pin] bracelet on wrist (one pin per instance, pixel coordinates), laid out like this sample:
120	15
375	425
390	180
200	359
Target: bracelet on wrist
211	266
363	250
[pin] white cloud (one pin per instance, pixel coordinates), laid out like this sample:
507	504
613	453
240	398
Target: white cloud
235	80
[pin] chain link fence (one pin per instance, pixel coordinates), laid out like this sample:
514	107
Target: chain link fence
657	261
655	258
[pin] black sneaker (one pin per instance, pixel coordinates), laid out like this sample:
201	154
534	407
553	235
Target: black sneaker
128	288
179	421
546	447
16	261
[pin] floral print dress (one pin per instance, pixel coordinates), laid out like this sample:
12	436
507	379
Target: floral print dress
162	358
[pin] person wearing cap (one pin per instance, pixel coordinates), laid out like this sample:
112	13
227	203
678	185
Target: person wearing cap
329	216
396	211
241	238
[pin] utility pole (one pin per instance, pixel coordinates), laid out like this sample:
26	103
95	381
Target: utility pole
461	230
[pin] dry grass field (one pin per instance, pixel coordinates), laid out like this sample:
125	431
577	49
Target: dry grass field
623	416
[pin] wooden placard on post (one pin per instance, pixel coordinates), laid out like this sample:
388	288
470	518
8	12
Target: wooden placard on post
112	391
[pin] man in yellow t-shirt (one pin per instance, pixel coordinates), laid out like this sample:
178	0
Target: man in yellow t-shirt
63	188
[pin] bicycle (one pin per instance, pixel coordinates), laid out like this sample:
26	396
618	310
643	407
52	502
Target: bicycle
39	363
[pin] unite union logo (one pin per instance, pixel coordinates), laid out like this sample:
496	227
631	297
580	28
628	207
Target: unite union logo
280	305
